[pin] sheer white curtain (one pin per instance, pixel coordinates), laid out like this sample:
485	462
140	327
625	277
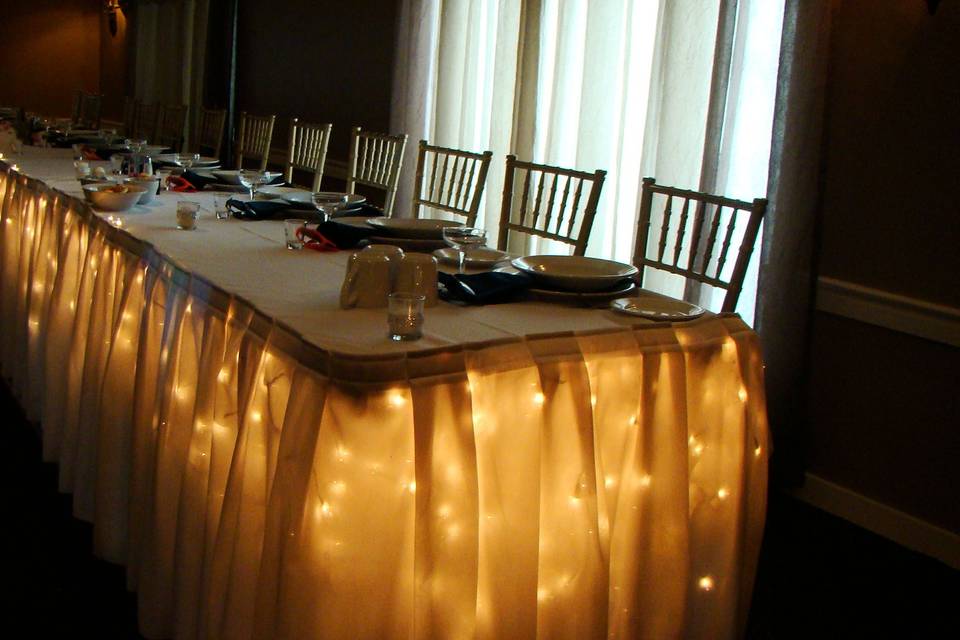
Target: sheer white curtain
620	85
170	50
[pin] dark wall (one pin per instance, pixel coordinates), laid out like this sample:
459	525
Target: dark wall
323	61
51	50
884	405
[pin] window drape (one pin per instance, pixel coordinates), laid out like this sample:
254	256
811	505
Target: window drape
676	90
170	41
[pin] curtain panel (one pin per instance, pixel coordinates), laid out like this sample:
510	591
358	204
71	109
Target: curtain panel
680	90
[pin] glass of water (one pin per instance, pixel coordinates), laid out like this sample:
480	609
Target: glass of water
463	239
405	316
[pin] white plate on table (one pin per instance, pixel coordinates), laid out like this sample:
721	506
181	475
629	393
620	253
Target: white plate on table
479	257
657	308
574	273
414	228
232	176
204	161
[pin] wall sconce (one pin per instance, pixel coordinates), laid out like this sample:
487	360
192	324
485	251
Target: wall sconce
111	7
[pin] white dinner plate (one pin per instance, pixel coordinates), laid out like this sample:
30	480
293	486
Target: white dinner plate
479	257
657	308
204	161
232	176
574	273
417	228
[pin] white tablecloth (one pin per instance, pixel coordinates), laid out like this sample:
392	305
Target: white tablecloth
268	465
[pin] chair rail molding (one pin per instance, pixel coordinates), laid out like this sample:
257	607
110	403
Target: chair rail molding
940	323
900	527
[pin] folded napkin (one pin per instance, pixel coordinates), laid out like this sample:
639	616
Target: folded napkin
490	287
189	181
259	210
345	236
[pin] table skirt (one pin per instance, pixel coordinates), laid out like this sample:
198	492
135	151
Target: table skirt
571	485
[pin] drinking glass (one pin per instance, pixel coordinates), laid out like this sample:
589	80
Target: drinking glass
290	228
135	145
251	179
328	202
405	316
187	160
117	162
463	239
187	214
220	208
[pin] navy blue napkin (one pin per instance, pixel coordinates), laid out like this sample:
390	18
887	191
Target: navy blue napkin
258	210
345	236
490	287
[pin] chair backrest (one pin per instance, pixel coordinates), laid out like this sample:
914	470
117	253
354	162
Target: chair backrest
695	236
146	121
456	181
129	114
253	139
555	203
208	134
86	110
308	150
173	120
375	160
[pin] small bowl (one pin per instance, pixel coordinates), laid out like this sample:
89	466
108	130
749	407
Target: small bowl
105	200
150	183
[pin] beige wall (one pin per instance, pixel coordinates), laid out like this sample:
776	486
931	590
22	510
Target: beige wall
884	405
54	48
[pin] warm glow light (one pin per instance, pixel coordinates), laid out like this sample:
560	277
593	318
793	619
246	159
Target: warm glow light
722	493
224	375
396	399
538	398
645	480
256	416
757	451
706	583
609	481
139	278
411	486
742	393
341	453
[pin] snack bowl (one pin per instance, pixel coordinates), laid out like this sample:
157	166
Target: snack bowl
113	197
150	183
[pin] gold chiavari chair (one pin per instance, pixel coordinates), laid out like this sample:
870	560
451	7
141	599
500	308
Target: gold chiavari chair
554	203
375	160
146	121
86	110
253	139
173	121
208	134
308	150
702	229
455	180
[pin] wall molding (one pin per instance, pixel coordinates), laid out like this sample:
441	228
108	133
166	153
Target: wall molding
902	528
940	323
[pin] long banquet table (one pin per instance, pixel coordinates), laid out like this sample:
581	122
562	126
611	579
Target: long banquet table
267	465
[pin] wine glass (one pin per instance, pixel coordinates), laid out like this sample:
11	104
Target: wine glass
463	239
328	202
135	145
187	160
251	179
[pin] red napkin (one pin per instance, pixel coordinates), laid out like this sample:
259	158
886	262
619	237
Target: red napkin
181	184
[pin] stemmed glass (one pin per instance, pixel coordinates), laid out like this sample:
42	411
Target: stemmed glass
187	160
328	202
463	239
251	179
135	145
